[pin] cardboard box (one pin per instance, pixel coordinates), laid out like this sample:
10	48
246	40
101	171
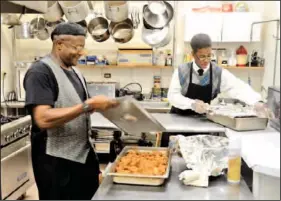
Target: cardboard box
139	57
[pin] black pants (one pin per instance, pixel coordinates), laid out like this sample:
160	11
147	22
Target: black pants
62	179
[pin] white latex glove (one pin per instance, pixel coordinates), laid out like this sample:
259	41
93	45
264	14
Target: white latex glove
200	107
263	111
188	176
194	178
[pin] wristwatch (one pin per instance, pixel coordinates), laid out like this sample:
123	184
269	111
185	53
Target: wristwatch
86	107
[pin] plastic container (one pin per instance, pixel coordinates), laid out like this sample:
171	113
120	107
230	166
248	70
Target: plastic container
242	60
234	160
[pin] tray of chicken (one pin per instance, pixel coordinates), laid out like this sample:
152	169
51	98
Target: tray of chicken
141	166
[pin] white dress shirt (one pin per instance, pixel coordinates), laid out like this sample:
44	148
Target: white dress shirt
230	85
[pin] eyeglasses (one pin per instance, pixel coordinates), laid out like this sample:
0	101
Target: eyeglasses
204	58
76	48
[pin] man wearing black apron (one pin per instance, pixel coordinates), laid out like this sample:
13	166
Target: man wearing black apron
195	84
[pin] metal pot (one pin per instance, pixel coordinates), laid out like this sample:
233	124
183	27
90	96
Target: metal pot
50	26
122	32
116	11
98	28
23	31
54	12
37	24
158	16
43	34
10	19
158	37
75	11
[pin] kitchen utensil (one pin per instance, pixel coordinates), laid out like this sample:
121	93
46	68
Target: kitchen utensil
140	179
122	32
158	14
240	124
116	11
23	31
54	12
98	28
156	37
43	34
10	19
75	11
130	117
37	24
135	17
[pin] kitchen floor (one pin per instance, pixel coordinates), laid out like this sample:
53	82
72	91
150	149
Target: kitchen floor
32	192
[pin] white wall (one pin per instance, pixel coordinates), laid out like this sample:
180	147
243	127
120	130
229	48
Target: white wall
6	61
271	11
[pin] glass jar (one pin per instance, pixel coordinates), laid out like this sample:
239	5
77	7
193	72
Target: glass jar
234	161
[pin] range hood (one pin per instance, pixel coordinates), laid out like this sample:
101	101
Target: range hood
17	6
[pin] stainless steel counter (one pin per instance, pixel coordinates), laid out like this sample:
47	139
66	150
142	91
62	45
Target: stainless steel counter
176	123
173	189
171	122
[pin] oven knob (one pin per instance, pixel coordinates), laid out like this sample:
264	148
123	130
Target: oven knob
6	138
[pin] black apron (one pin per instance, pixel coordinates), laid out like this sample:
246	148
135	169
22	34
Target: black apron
194	91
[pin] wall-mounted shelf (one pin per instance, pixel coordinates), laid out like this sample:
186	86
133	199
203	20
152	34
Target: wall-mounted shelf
91	66
244	68
83	66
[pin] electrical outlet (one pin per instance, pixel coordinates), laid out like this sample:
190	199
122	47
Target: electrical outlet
107	75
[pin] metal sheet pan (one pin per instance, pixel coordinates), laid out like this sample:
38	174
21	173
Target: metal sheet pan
132	118
240	124
140	179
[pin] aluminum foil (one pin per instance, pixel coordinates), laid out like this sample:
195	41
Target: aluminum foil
232	110
205	153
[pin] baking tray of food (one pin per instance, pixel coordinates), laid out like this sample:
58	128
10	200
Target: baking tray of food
124	171
240	123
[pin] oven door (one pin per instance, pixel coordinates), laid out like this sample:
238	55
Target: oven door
15	164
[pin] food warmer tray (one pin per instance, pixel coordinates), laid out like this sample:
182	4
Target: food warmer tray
240	123
140	179
131	117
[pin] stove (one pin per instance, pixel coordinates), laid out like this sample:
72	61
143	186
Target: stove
16	167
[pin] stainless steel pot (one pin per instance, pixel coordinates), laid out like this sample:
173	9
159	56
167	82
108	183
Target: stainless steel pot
37	24
98	28
158	14
122	32
23	31
10	19
43	34
54	12
75	11
156	37
116	11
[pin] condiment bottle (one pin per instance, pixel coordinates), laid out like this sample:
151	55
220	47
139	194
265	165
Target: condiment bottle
234	161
